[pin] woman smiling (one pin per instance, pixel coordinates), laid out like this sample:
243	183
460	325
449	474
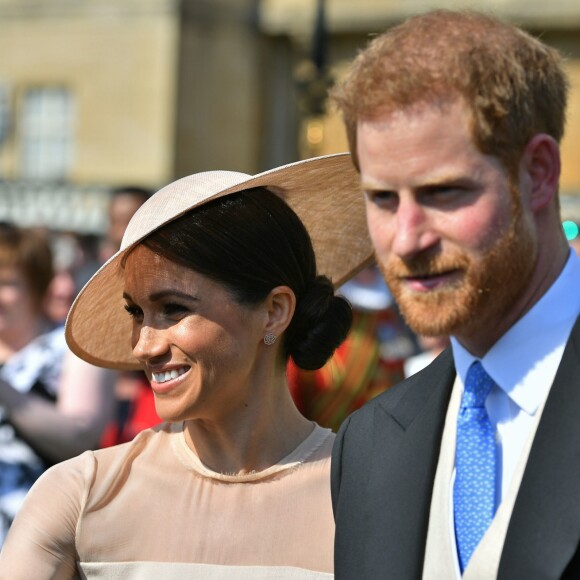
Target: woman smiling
221	278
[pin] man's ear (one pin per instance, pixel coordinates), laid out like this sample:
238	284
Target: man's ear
540	167
280	304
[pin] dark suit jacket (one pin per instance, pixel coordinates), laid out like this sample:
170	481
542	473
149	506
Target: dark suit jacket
383	468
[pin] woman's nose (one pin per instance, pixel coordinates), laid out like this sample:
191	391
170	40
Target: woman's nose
149	343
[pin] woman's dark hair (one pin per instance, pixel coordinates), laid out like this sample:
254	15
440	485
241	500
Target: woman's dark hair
251	242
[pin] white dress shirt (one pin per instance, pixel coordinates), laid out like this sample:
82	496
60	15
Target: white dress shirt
523	364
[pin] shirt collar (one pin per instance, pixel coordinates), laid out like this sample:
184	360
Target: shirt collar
524	361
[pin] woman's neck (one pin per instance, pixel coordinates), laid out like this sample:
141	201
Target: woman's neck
254	438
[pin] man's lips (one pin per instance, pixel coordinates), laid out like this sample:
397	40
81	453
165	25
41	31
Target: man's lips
427	282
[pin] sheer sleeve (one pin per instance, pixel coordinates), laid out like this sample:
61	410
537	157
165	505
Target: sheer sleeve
41	541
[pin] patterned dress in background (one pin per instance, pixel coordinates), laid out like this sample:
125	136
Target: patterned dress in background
34	369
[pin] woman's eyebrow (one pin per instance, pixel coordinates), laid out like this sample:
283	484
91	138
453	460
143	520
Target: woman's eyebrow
162	294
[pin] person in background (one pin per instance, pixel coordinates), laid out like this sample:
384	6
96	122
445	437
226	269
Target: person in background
367	363
135	405
52	404
68	260
470	468
221	278
124	202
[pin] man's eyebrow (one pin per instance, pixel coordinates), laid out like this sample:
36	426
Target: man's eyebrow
429	183
374	186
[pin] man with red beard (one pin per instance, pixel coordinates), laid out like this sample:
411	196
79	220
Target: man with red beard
471	467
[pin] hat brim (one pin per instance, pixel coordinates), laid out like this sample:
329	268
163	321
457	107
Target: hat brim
324	192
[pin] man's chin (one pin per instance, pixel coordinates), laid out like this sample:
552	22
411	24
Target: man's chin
434	313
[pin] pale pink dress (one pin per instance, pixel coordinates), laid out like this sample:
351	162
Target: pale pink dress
150	509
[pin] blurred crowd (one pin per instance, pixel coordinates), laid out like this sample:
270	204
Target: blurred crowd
54	406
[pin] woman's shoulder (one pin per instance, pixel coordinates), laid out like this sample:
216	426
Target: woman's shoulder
90	465
316	449
145	442
322	440
59	501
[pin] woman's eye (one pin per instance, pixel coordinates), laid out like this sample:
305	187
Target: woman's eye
133	311
172	309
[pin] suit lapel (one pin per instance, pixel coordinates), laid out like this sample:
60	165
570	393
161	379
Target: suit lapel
544	529
407	434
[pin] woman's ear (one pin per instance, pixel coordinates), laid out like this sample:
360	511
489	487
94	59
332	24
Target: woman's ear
541	169
280	304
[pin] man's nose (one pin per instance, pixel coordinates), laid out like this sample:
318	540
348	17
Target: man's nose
413	229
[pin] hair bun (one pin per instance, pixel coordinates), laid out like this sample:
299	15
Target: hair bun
320	324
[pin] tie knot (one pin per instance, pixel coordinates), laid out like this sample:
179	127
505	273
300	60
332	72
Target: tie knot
477	386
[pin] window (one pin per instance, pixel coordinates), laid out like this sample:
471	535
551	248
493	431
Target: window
47	133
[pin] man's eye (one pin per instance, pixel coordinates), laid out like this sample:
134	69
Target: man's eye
444	190
380	197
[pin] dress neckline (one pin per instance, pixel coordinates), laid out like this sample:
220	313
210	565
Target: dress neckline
295	458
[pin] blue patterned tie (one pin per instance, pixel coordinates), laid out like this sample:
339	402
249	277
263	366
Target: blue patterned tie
474	490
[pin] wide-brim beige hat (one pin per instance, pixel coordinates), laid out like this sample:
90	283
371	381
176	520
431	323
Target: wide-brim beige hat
323	191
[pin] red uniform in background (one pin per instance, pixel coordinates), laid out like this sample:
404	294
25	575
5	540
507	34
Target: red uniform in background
368	362
135	409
